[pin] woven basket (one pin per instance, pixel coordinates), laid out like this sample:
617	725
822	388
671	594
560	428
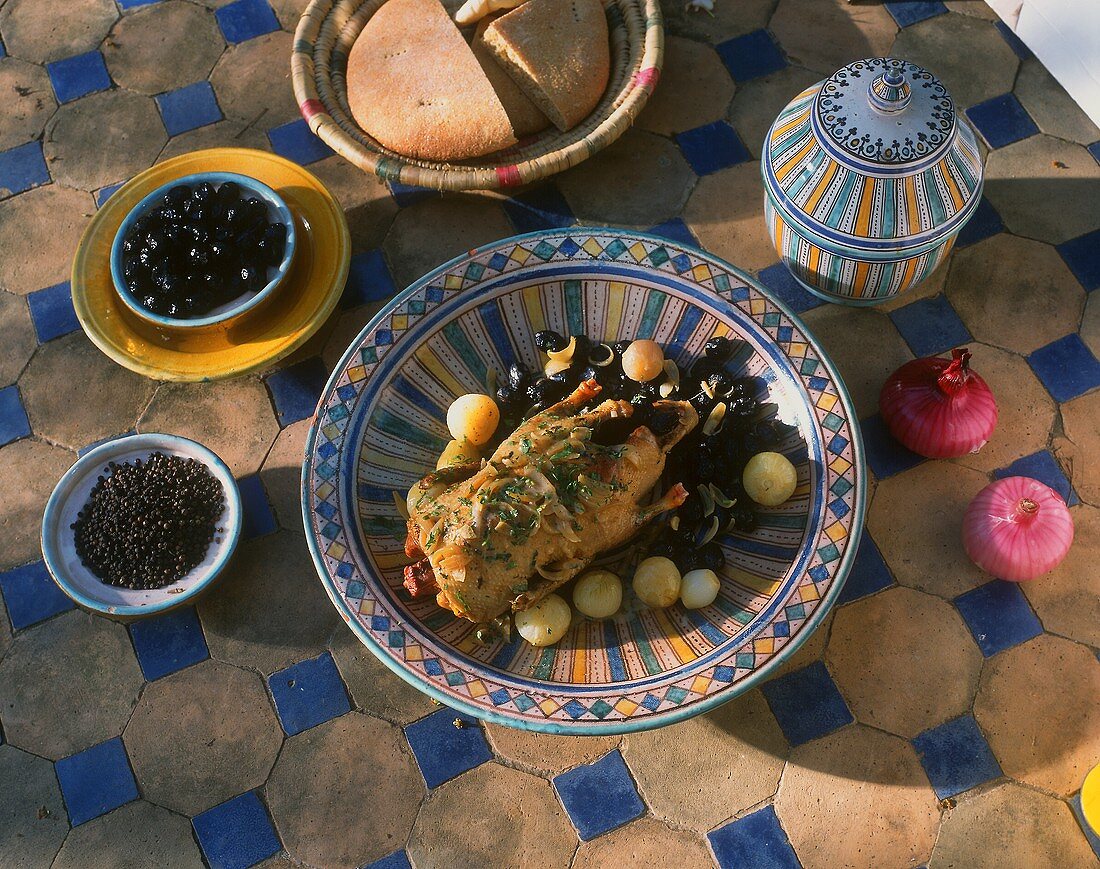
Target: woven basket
319	64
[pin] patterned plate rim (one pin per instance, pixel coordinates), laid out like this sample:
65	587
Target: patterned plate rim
626	725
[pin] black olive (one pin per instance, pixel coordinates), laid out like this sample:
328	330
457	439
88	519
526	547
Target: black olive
702	403
228	193
661	548
619	348
719	348
710	556
550	341
517	376
719	382
744	518
702	369
175	197
204	192
691	511
505	395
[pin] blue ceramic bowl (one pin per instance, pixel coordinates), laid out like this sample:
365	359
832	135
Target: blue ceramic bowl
277	211
71	494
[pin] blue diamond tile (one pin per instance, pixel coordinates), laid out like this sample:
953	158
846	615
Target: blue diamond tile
31	595
681	262
956	757
167	643
1014	41
837	444
105	193
806	703
3	51
188	108
675	229
906	12
78	76
1090	834
22	168
1066	367
1082	255
541	208
257	519
869	572
599	796
246	19
442	750
237	834
369	280
96	780
407	194
296	389
13	418
712	147
756	841
396	860
1002	121
308	693
1094	149
294	141
134	4
52	312
930	326
998	616
984	223
885	456
782	283
651	703
1044	467
751	56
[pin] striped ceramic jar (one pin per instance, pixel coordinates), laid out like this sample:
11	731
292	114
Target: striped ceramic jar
869	176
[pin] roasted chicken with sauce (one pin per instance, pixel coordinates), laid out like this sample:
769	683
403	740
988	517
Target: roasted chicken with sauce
500	535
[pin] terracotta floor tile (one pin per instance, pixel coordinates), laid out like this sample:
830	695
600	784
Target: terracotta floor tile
126	128
269	610
367	202
725	212
29	469
223	134
373	687
163	46
434	230
476	819
640	180
31	836
728	19
812	649
289	12
134	836
1081	424
68	684
947	45
30	102
232	417
916	518
547	754
19	336
688	67
55	217
889	815
644	844
248	82
903	660
702	771
865	346
282	474
1067	600
1051	107
322	775
1037	706
758	102
973	8
55	394
1014	292
1044	188
201	736
1025	410
824	35
52	29
1010	825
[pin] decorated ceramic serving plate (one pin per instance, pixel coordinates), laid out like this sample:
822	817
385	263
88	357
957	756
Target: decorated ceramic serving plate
380	426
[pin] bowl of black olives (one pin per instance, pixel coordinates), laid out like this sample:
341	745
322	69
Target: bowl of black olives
202	250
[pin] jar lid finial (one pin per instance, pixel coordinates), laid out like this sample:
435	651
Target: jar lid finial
890	92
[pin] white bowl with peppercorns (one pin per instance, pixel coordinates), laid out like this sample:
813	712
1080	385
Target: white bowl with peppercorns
141	525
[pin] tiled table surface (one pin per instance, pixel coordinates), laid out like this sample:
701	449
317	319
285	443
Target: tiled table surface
937	717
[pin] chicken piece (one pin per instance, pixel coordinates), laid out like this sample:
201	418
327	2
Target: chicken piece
535	514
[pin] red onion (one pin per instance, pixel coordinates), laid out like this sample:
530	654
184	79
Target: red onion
1017	528
939	408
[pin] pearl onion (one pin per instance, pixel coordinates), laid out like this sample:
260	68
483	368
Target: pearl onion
769	479
643	360
458	452
699	589
473	417
657	581
545	622
598	594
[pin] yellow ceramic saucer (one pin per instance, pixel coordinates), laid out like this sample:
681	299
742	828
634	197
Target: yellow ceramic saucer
304	301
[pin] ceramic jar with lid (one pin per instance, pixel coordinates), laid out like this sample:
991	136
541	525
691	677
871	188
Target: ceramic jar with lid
869	175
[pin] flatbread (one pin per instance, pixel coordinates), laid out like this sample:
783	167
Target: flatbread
414	85
524	115
557	51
